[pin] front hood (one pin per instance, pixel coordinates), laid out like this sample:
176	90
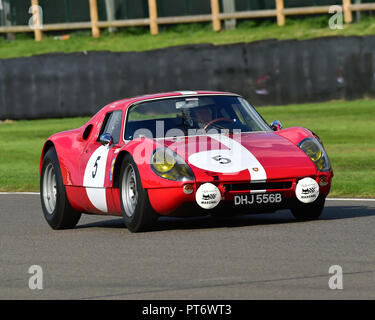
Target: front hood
255	156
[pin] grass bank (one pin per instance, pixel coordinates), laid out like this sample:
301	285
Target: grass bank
139	39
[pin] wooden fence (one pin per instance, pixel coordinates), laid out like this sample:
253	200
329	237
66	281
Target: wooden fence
280	12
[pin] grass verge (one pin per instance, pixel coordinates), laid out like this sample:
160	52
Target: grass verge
346	129
348	135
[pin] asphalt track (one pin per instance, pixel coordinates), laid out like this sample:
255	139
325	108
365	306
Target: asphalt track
250	257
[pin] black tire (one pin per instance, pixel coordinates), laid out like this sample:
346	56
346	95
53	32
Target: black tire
143	216
61	215
308	211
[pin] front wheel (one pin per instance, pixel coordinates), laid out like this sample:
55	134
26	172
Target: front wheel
308	211
55	205
136	208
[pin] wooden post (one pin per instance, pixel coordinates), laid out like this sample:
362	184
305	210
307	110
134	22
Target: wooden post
37	23
94	18
215	9
348	17
153	14
279	13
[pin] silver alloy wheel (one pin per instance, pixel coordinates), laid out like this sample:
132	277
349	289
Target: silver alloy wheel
129	191
49	188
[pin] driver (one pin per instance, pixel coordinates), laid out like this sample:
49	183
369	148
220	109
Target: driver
202	116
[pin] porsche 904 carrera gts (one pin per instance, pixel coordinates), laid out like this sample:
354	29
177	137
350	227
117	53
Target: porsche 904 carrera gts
181	153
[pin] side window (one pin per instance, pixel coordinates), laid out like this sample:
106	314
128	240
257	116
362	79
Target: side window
112	124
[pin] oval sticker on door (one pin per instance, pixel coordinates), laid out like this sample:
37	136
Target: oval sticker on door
94	177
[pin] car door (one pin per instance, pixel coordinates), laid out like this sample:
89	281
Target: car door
96	161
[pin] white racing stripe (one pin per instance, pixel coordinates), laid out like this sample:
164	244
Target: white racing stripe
185	93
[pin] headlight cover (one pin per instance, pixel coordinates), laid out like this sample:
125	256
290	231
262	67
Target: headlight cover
169	165
313	148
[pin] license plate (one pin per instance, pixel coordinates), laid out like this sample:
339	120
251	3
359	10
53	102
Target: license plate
260	198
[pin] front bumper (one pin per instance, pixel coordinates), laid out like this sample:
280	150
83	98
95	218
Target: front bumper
173	201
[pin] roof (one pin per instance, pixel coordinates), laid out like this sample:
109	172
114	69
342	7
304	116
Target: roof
125	103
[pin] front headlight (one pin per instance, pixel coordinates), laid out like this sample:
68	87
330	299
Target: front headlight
169	165
316	153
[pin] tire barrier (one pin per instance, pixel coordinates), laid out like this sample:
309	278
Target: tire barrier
268	72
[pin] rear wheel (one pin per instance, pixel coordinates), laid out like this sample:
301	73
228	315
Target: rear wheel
55	205
308	211
136	208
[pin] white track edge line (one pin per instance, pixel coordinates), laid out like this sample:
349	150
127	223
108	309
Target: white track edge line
350	199
20	193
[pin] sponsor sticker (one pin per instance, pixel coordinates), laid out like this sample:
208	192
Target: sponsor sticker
307	190
208	196
112	169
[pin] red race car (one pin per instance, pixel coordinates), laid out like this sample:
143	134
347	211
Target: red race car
181	153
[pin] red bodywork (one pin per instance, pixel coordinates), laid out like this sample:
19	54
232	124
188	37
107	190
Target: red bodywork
277	151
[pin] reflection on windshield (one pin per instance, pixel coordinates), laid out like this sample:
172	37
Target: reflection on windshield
183	115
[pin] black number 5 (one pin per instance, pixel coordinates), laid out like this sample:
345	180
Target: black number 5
96	167
221	160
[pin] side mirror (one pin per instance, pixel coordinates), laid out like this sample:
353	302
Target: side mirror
276	125
106	139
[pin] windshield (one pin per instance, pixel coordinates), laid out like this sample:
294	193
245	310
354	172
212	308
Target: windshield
184	116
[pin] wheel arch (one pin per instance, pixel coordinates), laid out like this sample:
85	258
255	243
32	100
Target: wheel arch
48	145
117	167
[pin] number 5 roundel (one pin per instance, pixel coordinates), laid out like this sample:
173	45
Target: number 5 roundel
223	161
93	179
236	159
